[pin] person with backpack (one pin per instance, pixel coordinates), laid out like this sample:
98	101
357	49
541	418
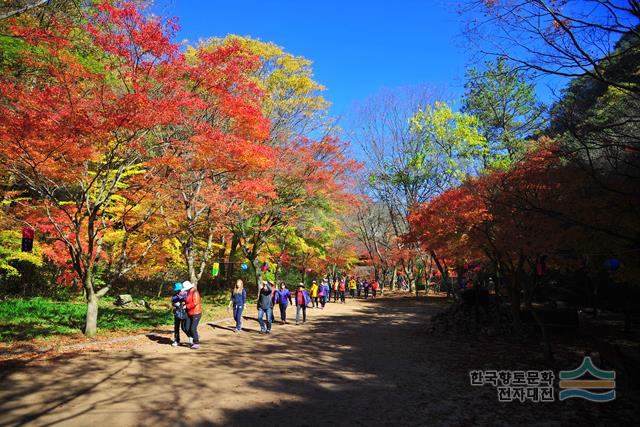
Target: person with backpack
179	313
194	313
326	291
265	307
302	301
321	293
283	298
238	300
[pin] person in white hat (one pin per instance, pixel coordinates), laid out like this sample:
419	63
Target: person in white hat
194	312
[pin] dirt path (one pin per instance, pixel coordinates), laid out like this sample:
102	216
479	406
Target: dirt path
363	363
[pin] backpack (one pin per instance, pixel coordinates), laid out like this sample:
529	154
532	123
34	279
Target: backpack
180	312
307	299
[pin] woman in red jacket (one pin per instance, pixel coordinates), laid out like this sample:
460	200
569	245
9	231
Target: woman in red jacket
194	311
374	287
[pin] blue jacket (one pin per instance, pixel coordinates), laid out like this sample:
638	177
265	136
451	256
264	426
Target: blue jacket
305	298
177	301
283	296
239	299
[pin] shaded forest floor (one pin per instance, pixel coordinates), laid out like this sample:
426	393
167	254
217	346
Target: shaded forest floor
363	363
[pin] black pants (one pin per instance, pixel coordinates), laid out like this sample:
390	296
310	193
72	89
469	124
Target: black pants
342	296
366	293
283	312
373	292
314	303
177	325
191	325
335	296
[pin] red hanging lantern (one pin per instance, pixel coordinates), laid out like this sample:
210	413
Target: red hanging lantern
27	239
541	266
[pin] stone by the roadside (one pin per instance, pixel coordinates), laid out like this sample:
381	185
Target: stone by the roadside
124	299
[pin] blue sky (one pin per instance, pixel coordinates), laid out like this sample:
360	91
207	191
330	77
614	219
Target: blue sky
357	47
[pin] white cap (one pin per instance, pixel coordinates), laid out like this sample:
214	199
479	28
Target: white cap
186	285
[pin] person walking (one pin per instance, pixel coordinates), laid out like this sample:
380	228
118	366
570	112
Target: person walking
314	294
194	313
335	286
352	288
265	307
322	294
302	301
374	287
283	297
342	288
274	299
178	301
358	287
238	300
365	286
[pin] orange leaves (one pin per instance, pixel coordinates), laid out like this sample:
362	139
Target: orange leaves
492	212
120	29
125	142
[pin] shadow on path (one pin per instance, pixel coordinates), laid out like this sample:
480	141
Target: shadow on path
367	363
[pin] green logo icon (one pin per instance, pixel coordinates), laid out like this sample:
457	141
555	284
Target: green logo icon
577	384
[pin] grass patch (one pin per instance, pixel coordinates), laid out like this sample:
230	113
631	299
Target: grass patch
38	318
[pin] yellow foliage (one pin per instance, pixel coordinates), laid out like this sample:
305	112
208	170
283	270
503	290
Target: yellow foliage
293	100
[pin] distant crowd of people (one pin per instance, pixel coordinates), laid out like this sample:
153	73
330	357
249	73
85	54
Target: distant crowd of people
188	310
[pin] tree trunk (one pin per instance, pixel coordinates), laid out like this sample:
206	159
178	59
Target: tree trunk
160	288
235	241
257	269
514	297
444	272
219	280
91	320
546	339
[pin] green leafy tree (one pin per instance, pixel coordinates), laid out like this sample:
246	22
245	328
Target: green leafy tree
506	107
450	146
